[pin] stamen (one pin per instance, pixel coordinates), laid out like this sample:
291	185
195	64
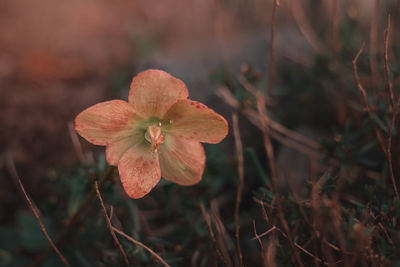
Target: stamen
155	137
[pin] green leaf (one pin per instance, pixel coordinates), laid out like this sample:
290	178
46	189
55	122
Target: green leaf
30	233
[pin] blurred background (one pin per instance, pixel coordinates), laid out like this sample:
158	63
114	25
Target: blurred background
58	58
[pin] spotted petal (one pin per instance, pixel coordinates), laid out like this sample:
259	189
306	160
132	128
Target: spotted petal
181	160
153	92
195	121
139	170
106	122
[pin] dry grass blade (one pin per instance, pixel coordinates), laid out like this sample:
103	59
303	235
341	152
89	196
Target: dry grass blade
271	254
223	239
141	245
303	249
373	48
299	14
109	225
269	149
365	98
75	142
271	81
206	218
265	233
394	109
259	242
253	116
14	173
239	152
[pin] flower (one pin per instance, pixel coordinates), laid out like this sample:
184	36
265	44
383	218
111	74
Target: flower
156	133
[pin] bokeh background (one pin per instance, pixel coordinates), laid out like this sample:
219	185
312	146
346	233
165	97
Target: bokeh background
58	58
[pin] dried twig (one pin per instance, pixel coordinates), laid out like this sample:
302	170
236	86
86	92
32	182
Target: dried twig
394	109
141	245
13	172
109	225
239	152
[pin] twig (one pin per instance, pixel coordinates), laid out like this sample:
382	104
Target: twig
206	218
365	98
239	152
394	109
268	144
387	68
75	217
259	242
223	239
13	171
271	80
264	213
141	245
265	233
109	225
302	248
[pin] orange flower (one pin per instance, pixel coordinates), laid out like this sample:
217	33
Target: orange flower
156	133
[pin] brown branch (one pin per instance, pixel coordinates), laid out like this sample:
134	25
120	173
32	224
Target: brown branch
239	152
365	98
109	225
271	80
394	109
141	245
14	173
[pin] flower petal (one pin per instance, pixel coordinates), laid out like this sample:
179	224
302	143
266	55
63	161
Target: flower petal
153	92
106	122
139	170
194	120
182	161
116	149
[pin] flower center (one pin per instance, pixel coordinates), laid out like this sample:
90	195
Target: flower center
154	136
